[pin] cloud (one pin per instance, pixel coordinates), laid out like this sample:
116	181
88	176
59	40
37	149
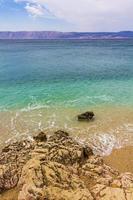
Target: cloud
35	10
88	15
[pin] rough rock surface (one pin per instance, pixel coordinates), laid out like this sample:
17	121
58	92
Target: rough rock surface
59	168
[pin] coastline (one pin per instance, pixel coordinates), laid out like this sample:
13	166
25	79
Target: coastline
111	128
56	167
64	79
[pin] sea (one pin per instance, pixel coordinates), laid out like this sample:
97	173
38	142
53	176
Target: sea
45	84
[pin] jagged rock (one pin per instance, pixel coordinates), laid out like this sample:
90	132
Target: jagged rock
87	116
60	168
126	180
8	177
41	137
87	151
31	181
61	134
101	192
12	160
51	180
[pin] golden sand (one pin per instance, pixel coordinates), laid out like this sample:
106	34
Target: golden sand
121	159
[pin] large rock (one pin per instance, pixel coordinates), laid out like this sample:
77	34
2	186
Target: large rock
51	180
60	168
87	116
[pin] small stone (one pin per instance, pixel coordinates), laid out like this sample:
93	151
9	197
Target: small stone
87	116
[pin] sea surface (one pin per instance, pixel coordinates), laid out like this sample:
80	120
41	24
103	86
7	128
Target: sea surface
44	84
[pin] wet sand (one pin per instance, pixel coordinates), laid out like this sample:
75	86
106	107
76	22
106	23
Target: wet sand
121	159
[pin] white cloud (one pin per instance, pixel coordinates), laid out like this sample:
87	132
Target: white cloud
35	9
89	15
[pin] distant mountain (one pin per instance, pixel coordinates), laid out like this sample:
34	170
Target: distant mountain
65	35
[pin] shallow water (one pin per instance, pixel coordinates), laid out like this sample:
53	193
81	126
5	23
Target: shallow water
111	128
45	84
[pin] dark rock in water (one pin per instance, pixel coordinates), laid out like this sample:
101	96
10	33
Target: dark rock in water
87	116
41	137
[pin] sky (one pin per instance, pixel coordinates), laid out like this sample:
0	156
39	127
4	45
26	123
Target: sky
66	15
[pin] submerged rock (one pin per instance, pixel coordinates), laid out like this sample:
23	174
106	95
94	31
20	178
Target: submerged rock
60	168
87	116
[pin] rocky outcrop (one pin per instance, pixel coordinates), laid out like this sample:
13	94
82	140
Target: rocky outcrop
59	168
12	160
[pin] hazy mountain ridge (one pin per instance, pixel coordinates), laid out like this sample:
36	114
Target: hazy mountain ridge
65	35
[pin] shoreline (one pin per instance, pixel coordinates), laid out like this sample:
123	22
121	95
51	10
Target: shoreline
56	167
111	128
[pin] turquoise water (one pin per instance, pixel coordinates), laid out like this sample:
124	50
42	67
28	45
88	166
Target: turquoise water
65	73
45	84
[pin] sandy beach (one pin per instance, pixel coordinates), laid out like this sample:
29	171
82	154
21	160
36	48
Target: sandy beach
121	159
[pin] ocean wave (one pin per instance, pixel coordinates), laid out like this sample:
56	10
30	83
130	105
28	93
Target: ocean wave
104	143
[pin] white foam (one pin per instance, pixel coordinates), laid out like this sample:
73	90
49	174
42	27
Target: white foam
32	107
